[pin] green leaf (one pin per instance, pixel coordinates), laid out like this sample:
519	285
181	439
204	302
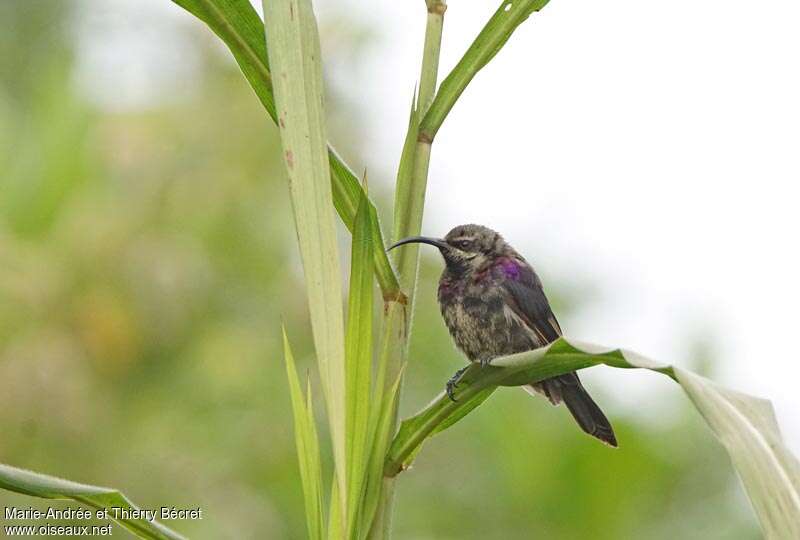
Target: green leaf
381	422
359	361
744	424
747	428
238	25
294	54
308	456
486	45
555	359
49	487
335	526
405	197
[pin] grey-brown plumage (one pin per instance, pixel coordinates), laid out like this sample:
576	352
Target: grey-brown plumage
493	304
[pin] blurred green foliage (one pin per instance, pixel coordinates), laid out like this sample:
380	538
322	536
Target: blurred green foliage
147	259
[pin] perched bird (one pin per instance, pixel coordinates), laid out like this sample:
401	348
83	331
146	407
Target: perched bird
493	304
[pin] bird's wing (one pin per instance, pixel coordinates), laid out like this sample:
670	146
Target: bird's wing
526	298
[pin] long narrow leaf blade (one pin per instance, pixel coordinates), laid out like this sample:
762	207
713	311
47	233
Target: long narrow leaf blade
747	428
294	53
409	201
49	487
381	419
359	360
308	456
402	196
744	424
335	524
237	24
495	33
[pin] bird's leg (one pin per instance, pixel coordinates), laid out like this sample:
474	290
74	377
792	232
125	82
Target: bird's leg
452	384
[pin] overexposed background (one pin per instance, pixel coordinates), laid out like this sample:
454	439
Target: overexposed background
651	148
643	159
650	151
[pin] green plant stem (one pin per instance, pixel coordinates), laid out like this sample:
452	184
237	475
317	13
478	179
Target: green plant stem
411	188
430	53
409	205
392	357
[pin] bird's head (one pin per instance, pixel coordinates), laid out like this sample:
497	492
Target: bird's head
465	248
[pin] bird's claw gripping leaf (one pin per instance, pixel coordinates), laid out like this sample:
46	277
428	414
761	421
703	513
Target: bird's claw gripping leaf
452	384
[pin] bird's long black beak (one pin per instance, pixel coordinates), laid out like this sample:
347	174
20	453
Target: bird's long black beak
441	244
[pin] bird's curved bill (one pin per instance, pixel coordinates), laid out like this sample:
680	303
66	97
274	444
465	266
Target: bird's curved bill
441	244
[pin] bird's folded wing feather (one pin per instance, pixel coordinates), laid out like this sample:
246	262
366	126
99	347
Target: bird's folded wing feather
527	299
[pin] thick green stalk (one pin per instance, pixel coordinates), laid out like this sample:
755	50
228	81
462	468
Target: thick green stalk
412	175
392	356
412	180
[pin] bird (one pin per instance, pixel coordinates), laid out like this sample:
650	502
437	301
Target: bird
493	304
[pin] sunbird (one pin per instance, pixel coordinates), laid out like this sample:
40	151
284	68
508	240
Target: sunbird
494	305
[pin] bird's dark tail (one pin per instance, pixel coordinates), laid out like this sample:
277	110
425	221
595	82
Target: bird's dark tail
590	418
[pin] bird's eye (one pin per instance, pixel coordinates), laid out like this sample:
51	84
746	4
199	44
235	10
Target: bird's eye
463	244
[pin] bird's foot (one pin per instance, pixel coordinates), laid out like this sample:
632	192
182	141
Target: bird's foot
485	362
452	384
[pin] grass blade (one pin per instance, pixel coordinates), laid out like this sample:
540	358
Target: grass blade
237	24
335	524
744	424
489	41
308	455
49	487
381	421
358	354
404	195
294	53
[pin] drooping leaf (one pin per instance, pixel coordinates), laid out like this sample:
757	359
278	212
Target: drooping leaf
358	354
744	424
237	24
308	456
294	54
98	498
748	430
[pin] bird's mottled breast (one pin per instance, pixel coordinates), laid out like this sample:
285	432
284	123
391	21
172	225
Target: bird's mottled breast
475	311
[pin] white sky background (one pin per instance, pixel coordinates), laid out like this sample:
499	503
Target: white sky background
650	151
